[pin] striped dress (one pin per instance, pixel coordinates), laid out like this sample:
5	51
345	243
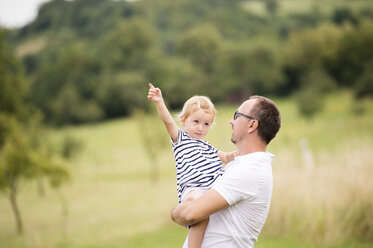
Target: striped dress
197	163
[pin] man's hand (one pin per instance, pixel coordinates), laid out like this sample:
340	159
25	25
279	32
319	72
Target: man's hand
154	94
191	212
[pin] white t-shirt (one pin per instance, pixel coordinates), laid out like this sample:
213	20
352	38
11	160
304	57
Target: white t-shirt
247	187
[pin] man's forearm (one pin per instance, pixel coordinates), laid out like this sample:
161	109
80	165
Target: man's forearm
191	212
181	215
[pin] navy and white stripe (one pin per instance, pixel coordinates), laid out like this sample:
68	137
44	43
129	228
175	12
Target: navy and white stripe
197	164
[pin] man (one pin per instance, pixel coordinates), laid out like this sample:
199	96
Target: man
238	203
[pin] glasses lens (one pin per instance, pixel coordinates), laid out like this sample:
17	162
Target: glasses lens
235	115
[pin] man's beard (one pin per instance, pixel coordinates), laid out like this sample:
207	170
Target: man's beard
235	140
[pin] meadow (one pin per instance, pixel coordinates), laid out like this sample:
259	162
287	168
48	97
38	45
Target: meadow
323	191
289	7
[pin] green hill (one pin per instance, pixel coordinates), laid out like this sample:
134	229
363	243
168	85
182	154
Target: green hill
87	61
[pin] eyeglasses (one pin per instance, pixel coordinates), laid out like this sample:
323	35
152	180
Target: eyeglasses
236	114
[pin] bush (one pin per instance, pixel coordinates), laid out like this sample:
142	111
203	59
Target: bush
343	15
122	93
315	85
70	108
353	53
364	84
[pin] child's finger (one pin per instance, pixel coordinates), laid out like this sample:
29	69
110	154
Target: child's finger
155	91
151	86
152	91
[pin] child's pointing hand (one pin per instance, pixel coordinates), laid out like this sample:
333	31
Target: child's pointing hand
154	94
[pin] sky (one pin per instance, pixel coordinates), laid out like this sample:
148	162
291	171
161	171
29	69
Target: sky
17	13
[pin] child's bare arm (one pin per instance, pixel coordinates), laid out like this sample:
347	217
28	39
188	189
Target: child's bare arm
226	157
155	95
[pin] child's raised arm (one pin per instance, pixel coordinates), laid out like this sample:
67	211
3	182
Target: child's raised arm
155	95
226	157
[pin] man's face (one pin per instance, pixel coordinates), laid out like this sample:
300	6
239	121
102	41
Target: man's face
240	122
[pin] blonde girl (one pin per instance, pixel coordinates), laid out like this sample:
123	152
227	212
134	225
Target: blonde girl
198	164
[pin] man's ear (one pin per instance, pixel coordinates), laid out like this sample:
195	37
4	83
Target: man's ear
253	126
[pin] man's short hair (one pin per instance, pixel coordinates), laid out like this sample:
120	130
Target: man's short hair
268	116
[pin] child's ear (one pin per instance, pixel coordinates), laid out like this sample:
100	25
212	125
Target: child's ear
182	120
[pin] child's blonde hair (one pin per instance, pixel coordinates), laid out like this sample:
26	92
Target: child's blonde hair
195	103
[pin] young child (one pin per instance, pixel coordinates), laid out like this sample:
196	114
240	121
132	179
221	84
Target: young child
198	164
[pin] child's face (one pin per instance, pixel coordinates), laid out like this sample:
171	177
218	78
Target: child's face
197	124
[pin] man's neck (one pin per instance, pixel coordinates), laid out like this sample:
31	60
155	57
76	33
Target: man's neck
251	147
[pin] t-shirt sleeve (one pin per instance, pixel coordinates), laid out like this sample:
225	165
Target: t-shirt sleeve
215	149
211	147
179	138
237	184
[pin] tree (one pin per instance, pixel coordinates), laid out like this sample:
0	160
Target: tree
354	52
153	137
122	93
67	92
311	48
308	50
309	102
310	97
12	85
271	6
20	162
69	107
201	45
127	46
183	80
343	15
250	69
364	84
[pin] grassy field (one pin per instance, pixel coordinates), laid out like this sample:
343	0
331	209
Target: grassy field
289	7
323	192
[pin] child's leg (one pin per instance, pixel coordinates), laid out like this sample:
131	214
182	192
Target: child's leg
196	232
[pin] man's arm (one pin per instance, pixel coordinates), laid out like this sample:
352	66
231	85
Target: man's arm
191	212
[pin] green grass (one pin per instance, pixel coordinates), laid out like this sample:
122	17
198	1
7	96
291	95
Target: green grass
289	7
111	200
171	236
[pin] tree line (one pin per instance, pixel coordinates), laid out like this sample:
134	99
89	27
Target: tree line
98	55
